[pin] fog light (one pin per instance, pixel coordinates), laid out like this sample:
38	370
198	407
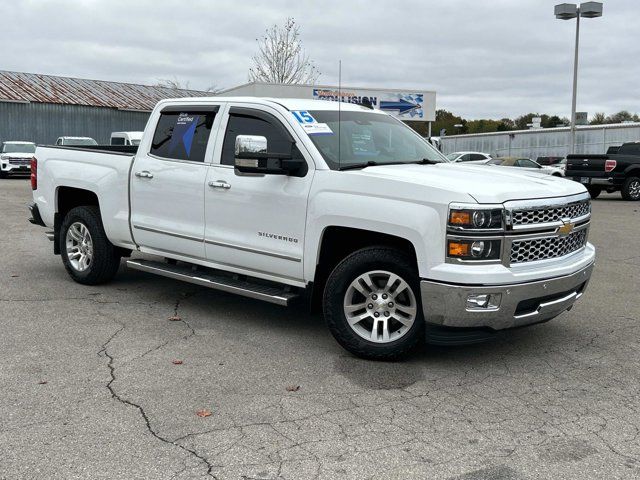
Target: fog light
484	301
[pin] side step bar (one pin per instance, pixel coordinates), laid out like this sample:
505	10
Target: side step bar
211	279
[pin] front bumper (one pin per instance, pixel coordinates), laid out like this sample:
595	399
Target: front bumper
11	168
521	304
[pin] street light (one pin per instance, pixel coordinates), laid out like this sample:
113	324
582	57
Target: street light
568	11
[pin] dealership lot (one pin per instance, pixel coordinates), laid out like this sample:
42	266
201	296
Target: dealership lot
92	384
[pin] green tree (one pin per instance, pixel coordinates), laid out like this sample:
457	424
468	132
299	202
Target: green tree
621	116
598	118
447	120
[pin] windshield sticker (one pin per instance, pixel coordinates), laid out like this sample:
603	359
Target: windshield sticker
303	117
313	129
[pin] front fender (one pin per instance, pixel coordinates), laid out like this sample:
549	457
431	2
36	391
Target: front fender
418	223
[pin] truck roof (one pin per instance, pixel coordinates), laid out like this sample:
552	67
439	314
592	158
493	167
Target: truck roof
288	103
18	142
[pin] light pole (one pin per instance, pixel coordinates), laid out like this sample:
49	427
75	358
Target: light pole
568	11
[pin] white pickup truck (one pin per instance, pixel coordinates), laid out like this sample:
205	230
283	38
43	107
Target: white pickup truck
279	199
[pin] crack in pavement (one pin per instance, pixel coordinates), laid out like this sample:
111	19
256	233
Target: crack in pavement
112	371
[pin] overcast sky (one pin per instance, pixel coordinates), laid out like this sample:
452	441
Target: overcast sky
485	59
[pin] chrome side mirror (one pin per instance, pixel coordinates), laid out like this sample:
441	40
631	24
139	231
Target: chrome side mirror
246	145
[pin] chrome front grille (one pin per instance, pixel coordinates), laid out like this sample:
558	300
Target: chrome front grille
541	215
549	247
20	161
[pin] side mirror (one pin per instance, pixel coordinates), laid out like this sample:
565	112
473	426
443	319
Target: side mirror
252	156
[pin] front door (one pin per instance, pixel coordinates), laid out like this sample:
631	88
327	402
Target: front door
255	223
168	182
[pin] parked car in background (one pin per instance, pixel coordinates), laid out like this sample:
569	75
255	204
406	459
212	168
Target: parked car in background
528	165
613	172
468	157
254	196
549	160
15	157
126	138
76	142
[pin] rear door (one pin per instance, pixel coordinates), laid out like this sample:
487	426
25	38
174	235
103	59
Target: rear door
168	180
256	222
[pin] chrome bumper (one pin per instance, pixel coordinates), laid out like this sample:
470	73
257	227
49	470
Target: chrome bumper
521	304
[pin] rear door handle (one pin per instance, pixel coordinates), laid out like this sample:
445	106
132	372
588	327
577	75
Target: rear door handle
144	174
220	184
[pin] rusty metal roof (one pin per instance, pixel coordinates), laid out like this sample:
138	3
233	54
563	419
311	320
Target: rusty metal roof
32	87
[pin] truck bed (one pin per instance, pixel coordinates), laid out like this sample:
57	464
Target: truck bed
101	170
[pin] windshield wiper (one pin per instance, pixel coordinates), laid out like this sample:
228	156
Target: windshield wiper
426	161
353	166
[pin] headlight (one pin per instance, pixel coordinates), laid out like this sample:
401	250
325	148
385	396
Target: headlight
481	219
473	249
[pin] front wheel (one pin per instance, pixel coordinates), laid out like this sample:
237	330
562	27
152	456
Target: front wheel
631	189
594	191
372	304
87	254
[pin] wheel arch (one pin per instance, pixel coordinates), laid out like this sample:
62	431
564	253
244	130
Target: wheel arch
337	242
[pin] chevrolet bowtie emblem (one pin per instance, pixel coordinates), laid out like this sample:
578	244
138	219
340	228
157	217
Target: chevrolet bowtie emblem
565	229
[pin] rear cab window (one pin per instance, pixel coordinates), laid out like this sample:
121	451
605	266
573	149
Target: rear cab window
182	132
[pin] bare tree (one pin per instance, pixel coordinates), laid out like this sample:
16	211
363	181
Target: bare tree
281	58
175	84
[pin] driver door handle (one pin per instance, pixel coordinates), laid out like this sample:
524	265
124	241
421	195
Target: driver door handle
220	184
144	174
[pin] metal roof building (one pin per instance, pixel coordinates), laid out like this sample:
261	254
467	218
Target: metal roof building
544	142
41	108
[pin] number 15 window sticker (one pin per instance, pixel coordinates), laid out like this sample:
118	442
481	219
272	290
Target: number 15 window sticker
310	125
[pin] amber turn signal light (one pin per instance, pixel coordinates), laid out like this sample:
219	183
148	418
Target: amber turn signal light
457	249
460	218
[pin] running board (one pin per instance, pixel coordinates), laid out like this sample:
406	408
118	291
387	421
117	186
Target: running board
211	279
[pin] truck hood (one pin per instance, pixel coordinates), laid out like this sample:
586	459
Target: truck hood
16	155
487	184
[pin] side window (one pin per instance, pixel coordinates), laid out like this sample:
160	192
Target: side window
258	124
117	141
183	134
477	156
465	158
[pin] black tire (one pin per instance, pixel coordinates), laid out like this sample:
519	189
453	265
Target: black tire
358	263
106	258
594	191
631	189
3	174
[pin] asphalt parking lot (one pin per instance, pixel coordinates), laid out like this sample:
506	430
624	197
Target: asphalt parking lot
98	382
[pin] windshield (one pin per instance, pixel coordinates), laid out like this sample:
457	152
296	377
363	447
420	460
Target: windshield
453	156
369	137
18	148
80	141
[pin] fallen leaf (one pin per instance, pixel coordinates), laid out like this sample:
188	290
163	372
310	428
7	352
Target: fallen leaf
14	276
203	413
175	318
293	388
42	382
177	362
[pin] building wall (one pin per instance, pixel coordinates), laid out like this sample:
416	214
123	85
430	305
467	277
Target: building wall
43	123
548	142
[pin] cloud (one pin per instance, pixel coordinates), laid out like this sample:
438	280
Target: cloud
492	58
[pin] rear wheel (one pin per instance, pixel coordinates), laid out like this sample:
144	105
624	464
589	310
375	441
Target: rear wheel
594	191
372	304
631	189
87	254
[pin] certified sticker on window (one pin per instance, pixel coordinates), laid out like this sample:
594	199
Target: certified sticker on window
310	125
